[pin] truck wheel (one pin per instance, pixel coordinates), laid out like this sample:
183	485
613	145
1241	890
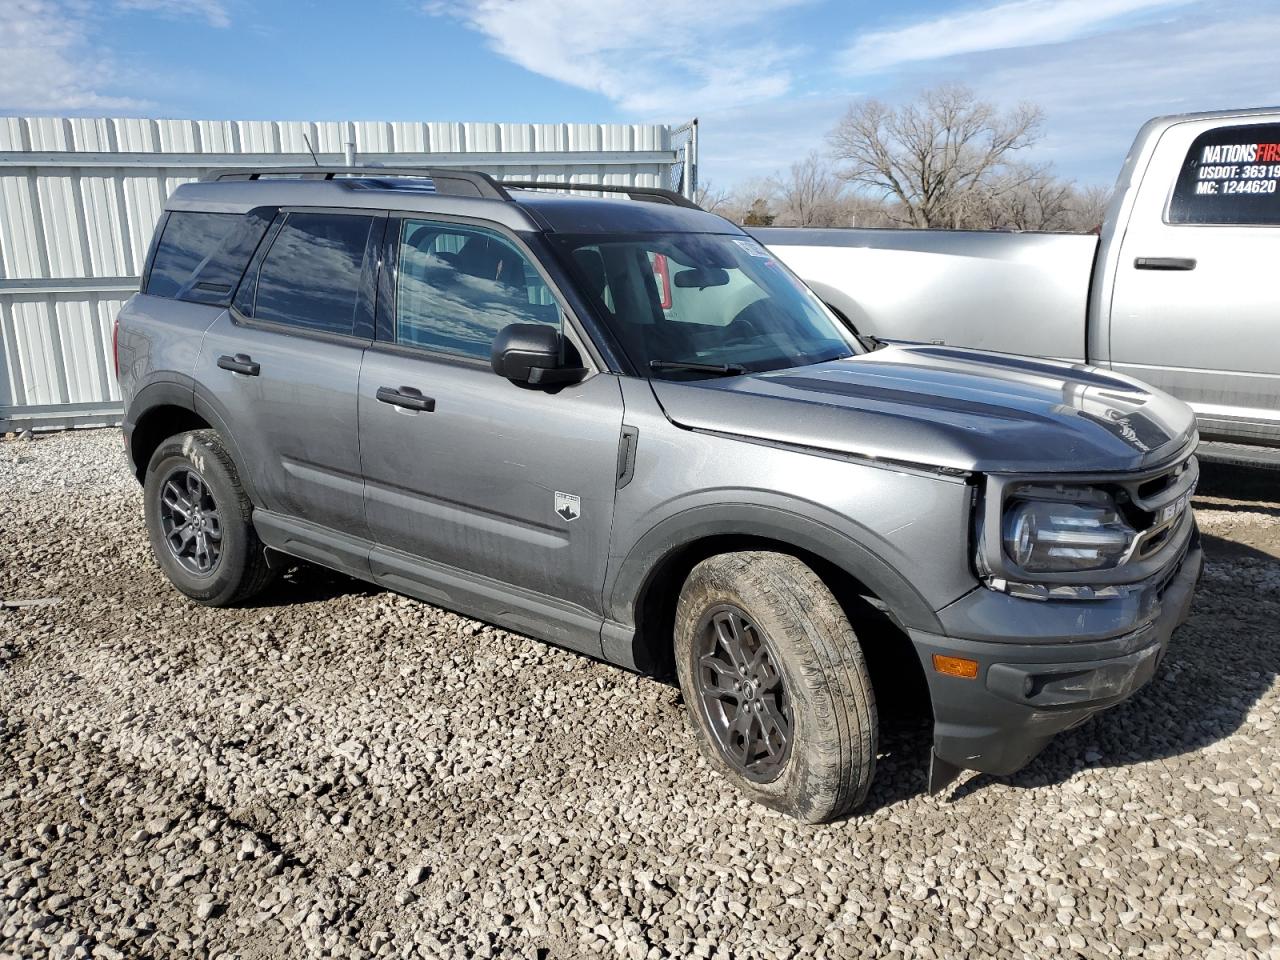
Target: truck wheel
776	685
198	519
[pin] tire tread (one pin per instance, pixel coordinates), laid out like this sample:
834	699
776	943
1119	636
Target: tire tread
254	573
818	635
257	572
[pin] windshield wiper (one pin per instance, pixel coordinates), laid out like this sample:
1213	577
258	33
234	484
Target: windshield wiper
722	369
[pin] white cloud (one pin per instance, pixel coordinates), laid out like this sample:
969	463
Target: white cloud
1096	90
1096	93
655	57
1019	23
52	60
47	63
752	142
211	11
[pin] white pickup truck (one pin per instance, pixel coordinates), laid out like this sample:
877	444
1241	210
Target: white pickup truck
1180	289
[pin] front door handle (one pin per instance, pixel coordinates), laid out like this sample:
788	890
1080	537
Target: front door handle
408	397
240	363
1164	263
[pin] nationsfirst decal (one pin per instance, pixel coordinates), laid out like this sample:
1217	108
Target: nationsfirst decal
1241	153
1235	169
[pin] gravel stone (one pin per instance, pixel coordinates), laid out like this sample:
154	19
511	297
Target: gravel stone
206	908
337	771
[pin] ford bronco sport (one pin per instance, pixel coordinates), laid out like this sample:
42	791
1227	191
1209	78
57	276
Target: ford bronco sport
620	425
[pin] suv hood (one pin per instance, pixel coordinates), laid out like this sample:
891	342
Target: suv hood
945	407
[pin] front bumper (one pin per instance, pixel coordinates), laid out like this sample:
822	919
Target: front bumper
1026	692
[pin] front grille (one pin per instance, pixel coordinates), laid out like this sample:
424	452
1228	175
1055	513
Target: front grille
1151	488
1152	544
1158	506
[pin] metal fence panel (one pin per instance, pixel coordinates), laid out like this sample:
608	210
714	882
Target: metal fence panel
80	196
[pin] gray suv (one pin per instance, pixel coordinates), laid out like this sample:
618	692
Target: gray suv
621	425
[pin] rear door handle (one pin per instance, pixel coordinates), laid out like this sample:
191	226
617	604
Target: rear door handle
408	397
240	363
1164	263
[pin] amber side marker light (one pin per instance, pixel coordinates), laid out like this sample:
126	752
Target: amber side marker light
956	666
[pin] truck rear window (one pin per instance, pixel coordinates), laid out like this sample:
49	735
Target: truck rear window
1231	175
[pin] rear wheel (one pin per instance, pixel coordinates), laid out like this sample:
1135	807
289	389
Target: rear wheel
775	683
199	521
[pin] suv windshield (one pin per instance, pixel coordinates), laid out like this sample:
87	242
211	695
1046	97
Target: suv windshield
692	305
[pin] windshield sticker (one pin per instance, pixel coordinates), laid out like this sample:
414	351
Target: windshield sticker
752	248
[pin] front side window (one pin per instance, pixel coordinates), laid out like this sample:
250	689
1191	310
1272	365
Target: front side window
1231	175
311	275
457	286
709	300
188	241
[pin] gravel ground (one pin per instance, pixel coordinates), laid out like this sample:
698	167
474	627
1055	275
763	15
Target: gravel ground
340	771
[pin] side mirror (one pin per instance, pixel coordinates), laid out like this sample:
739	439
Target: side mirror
533	353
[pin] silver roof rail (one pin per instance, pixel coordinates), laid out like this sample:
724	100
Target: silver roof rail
458	183
652	194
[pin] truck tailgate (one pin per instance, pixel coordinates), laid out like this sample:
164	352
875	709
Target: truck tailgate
1024	293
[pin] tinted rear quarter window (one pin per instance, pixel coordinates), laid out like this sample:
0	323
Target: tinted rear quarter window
188	242
1231	175
311	275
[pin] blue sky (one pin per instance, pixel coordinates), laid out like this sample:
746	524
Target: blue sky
767	78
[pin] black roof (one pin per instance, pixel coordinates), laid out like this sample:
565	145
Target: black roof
568	214
551	206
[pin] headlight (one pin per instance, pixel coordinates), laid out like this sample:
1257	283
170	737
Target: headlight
1085	537
1049	536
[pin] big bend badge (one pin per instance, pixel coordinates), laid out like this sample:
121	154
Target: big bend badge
568	505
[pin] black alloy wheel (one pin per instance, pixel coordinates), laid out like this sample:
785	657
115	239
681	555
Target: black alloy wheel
190	521
742	693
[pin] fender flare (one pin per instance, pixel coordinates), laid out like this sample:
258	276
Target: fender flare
182	391
696	523
171	390
165	390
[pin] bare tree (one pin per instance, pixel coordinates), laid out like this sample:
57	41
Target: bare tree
811	195
930	155
865	211
945	160
1088	209
753	202
759	214
1034	199
1020	198
711	199
1048	203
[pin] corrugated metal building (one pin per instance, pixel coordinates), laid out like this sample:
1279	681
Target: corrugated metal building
79	198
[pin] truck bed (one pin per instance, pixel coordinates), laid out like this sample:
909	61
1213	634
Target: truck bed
1023	293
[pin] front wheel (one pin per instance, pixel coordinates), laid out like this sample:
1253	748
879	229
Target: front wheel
198	520
776	685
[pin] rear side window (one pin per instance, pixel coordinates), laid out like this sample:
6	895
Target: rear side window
457	286
187	244
311	275
1231	175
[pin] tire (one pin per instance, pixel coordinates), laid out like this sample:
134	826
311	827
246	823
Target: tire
817	759
211	509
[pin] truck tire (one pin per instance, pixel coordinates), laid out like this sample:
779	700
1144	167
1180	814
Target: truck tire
776	685
199	521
